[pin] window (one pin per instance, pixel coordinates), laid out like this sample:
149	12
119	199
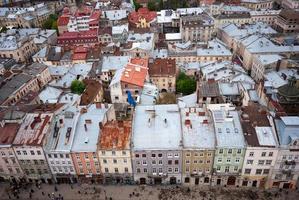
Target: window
153	155
266	171
226	168
160	162
176	155
220	151
247	171
201	154
270	154
195	154
268	162
126	170
249	162
239	151
154	162
188	154
170	170
176	170
258	171
263	154
136	155
145	170
169	155
160	170
251	154
125	160
187	161
113	153
61	155
209	154
229	151
219	160
86	156
106	170
104	161
138	170
114	161
116	170
67	155
195	161
25	152
144	162
218	168
261	162
228	160
236	168
103	152
170	162
55	156
237	160
284	157
176	162
160	155
143	155
154	170
19	153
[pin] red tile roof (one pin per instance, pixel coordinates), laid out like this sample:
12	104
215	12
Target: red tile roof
149	16
80	34
135	72
8	133
162	67
63	20
115	135
80	49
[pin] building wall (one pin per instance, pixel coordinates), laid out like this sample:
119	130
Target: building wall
33	162
197	166
285	174
164	82
61	163
202	34
86	163
9	164
149	168
258	165
293	4
267	4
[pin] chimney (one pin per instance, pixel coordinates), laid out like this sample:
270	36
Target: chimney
149	122
60	121
101	125
278	64
85	127
106	105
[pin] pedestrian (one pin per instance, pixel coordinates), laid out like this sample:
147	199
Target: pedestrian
32	191
55	188
43	193
49	195
30	195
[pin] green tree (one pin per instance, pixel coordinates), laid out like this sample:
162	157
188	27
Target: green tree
137	5
77	87
185	84
151	5
161	5
3	29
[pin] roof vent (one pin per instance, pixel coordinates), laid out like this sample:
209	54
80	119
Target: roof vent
86	140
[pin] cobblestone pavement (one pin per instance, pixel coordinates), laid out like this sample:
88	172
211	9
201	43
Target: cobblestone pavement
118	192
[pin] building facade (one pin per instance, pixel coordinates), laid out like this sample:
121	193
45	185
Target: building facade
114	152
156	150
198	146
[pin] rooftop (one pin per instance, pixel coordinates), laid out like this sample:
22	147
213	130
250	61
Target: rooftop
162	67
50	95
267	59
142	13
115	135
227	125
114	62
62	135
256	127
8	133
160	125
93	88
214	48
88	128
287	129
197	126
34	129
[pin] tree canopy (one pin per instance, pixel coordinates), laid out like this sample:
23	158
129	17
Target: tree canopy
185	84
51	22
137	5
77	87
